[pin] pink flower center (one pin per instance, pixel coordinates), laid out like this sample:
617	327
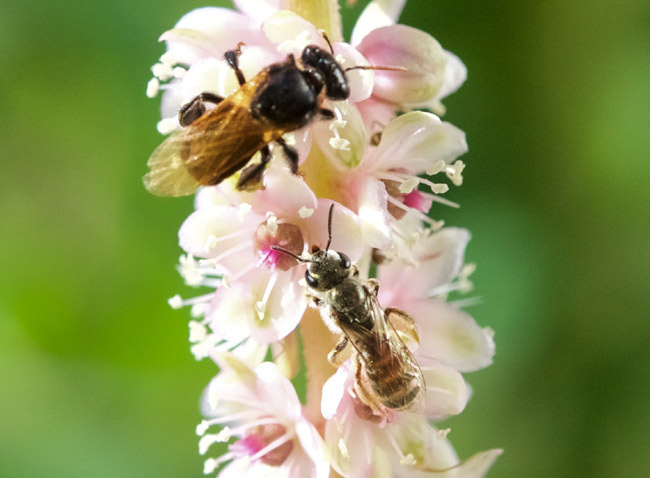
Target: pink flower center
259	437
284	235
417	200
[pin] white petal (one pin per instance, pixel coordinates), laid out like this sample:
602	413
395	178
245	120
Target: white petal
198	233
378	13
275	198
276	393
278	314
452	336
231	312
373	214
416	141
314	447
446	394
439	259
346	229
413	49
333	392
361	81
290	32
455	75
342	140
478	465
208	32
258	9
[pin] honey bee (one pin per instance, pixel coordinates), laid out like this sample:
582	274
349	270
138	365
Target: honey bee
218	142
387	374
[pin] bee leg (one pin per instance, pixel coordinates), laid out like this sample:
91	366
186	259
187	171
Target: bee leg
326	114
364	394
291	154
403	322
193	110
372	286
232	57
314	301
252	175
334	356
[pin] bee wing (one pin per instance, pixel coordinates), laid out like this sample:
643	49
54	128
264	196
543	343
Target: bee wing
212	148
405	356
168	175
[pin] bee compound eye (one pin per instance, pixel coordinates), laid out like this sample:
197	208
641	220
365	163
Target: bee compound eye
345	261
311	280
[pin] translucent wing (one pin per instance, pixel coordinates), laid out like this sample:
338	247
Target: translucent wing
394	355
212	148
168	175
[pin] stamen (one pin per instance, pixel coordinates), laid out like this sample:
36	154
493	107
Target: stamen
176	302
153	86
273	445
469	302
198	331
162	71
337	123
341	144
233	417
305	212
260	306
434	224
211	464
179	72
168	58
454	172
440	200
343	448
233	250
214	240
248	425
436	168
244	271
167	125
272	224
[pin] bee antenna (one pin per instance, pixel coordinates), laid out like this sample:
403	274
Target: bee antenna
372	67
329	228
289	253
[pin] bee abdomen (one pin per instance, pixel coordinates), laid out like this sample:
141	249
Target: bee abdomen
394	385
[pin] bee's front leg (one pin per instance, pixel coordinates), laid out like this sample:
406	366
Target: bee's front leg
195	108
232	58
290	153
334	356
313	301
251	177
372	286
403	322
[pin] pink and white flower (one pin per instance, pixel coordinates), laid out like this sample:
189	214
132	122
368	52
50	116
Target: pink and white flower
369	163
363	444
432	72
448	335
259	408
258	295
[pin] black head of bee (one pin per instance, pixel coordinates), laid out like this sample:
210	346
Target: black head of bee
322	64
327	269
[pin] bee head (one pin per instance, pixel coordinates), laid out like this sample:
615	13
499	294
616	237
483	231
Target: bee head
327	269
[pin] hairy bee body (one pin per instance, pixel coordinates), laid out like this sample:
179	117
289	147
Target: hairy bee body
216	143
387	374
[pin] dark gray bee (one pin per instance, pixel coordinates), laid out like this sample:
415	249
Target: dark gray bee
387	374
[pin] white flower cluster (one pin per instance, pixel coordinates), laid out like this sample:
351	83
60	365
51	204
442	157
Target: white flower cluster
368	162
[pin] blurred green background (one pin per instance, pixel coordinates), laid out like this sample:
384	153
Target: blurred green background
96	379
